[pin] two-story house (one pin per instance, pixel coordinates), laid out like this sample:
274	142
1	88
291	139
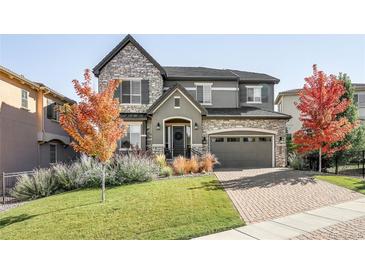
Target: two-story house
286	104
30	134
187	110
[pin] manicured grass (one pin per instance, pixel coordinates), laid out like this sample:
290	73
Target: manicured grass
352	183
168	209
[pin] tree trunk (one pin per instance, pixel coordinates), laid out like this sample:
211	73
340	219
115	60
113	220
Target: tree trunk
103	185
336	159
320	160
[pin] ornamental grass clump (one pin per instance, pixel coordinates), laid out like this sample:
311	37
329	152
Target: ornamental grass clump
40	184
161	160
192	165
207	162
134	168
179	165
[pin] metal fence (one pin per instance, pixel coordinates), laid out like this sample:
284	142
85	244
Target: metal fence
349	163
9	180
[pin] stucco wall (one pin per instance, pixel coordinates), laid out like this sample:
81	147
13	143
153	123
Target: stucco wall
221	97
277	125
167	110
131	63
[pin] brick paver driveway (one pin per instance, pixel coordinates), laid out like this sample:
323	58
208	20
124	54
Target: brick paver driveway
268	193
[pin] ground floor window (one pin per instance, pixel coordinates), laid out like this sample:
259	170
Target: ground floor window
53	153
132	139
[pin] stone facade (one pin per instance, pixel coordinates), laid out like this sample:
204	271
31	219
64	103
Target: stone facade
278	125
131	63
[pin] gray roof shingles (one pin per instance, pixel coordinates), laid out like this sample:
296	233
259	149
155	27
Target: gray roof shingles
246	112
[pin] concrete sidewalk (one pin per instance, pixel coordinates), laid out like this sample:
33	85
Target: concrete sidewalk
294	225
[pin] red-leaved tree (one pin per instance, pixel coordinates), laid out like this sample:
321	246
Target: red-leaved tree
319	103
94	124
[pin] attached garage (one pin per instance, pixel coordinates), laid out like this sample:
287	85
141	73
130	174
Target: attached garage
243	149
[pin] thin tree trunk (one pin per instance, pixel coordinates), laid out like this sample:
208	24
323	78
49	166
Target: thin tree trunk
336	158
320	160
103	185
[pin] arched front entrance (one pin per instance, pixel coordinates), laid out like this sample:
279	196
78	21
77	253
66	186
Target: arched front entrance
177	137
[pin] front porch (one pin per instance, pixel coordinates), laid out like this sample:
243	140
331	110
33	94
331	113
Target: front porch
177	139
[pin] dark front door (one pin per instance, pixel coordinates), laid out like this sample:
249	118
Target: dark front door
178	140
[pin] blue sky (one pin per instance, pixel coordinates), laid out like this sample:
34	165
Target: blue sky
57	59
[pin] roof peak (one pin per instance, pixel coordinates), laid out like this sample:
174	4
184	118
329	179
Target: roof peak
127	39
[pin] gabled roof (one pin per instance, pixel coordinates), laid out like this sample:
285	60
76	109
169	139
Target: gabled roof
204	73
356	86
119	47
169	92
34	85
246	112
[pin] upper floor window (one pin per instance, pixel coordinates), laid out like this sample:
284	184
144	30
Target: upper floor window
176	102
204	93
254	94
25	95
131	92
52	110
280	107
359	99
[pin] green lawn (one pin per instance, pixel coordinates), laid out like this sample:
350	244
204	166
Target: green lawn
167	209
352	183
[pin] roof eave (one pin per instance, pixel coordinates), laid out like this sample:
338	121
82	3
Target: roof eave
249	116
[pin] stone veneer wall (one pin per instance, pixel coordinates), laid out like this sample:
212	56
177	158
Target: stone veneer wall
210	124
131	63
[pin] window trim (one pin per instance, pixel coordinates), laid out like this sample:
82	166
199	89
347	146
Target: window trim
21	99
140	135
254	102
210	93
55	146
360	94
130	88
177	97
57	113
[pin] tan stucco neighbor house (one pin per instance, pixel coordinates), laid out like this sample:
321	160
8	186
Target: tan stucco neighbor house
285	102
30	134
193	110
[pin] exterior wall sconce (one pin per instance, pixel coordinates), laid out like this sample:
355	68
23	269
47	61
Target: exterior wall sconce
204	141
196	126
158	127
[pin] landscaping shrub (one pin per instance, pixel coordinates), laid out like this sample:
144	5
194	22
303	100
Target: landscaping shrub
166	171
161	160
40	184
192	165
179	165
207	162
133	168
296	161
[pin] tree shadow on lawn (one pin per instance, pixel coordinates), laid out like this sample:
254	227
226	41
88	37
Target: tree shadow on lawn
211	185
14	219
23	217
360	186
264	180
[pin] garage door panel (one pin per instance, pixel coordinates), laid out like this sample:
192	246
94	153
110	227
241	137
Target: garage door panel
242	154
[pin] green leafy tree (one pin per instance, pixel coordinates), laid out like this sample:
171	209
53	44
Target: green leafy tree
356	138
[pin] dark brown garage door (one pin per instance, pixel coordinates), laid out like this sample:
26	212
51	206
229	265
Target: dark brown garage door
242	151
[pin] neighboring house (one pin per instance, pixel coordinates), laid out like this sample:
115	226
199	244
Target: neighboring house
192	110
30	134
286	99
